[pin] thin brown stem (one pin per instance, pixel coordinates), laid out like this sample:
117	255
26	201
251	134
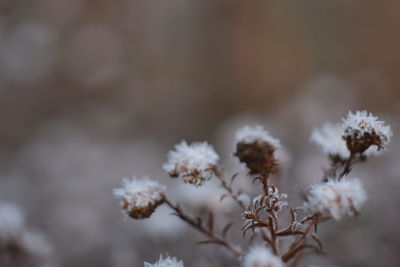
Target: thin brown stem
298	244
227	187
265	182
347	165
198	225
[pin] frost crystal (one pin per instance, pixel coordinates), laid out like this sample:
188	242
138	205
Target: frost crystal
191	163
338	198
140	197
12	223
260	256
165	262
249	135
363	130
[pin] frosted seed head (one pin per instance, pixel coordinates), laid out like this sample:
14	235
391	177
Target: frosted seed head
139	197
165	262
256	148
191	163
261	256
362	130
337	198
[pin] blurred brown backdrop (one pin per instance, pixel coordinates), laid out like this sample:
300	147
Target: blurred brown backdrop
91	91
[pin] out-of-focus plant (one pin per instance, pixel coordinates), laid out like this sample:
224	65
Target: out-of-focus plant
18	245
284	239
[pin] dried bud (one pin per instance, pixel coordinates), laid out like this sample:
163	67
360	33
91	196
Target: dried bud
255	147
139	198
338	198
363	130
191	163
261	256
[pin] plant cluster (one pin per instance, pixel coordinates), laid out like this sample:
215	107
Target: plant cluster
280	241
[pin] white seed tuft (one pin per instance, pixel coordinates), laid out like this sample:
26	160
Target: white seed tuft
339	199
165	262
329	137
261	256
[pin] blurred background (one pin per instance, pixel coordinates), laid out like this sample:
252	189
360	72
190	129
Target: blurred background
93	91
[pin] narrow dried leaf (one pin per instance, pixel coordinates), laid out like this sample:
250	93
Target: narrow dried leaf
234	177
222	197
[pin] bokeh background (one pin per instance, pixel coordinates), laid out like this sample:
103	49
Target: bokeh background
92	91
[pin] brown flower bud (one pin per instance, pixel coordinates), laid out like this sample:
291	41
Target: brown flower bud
258	157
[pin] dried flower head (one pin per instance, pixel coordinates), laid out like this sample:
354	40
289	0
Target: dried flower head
363	130
338	198
165	262
12	223
256	147
191	163
140	197
261	256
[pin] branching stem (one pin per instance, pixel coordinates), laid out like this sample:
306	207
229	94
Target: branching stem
199	226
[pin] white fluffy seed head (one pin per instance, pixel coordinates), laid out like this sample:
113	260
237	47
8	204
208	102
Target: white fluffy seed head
261	256
329	137
249	135
339	199
12	223
359	124
191	163
139	197
165	262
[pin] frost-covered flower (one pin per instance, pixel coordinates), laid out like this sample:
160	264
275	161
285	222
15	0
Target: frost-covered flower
256	148
165	262
261	256
329	137
191	163
362	130
12	223
338	198
140	197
